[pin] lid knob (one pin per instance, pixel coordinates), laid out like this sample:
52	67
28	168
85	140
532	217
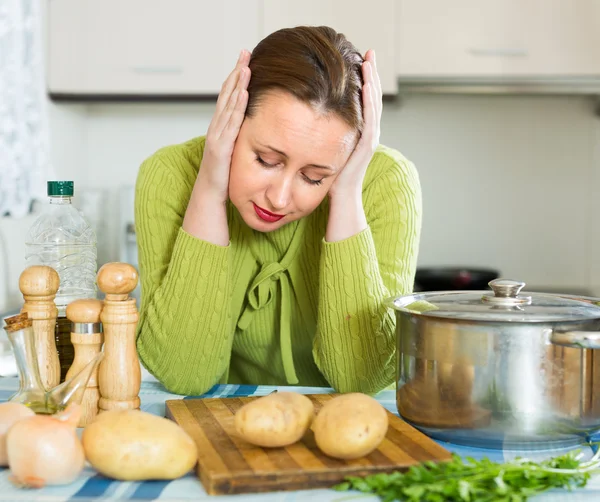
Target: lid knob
506	293
506	288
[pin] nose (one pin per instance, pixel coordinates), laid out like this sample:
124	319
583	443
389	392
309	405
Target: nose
279	192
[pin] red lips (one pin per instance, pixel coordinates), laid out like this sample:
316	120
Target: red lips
267	216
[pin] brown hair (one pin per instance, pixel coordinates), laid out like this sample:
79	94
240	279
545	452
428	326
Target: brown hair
317	65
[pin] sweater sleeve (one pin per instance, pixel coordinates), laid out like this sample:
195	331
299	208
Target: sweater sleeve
184	337
355	343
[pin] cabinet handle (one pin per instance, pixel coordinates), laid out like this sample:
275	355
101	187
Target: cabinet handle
157	69
505	53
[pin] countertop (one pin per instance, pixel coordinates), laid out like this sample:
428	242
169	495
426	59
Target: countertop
91	486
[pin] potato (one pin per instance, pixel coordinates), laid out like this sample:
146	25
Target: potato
350	426
279	419
132	445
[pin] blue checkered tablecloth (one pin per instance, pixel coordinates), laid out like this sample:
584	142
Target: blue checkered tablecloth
93	487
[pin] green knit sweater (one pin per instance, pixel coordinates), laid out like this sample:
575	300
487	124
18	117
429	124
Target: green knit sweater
277	308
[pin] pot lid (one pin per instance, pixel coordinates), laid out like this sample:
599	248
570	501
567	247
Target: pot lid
505	303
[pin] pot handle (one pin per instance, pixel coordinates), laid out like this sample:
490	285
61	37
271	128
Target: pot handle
576	339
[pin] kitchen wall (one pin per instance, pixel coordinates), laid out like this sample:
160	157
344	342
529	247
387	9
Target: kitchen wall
508	181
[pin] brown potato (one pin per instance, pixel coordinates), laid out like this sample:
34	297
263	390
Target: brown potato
279	419
350	426
133	445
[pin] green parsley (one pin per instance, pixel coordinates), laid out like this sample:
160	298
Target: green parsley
476	480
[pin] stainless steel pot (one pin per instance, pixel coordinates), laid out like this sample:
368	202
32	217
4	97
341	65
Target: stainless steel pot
499	369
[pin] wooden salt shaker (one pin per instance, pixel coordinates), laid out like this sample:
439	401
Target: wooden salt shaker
39	284
119	376
87	339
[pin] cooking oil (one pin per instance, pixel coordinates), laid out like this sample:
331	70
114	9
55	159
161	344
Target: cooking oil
64	346
41	408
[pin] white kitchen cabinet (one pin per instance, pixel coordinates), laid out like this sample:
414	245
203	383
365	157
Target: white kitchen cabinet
146	47
366	26
483	38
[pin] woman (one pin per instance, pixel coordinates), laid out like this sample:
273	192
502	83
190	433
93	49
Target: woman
267	247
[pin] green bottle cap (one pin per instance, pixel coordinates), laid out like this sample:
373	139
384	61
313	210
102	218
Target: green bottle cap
60	188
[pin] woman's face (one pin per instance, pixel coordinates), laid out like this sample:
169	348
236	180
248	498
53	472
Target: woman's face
285	160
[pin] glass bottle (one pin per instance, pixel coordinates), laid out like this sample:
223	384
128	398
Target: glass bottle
31	392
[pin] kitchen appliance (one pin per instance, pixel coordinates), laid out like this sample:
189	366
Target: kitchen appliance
453	278
501	368
231	465
128	252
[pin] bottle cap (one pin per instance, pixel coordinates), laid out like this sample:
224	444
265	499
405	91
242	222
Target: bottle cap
60	188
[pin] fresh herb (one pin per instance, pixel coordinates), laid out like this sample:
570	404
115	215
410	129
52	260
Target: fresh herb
476	480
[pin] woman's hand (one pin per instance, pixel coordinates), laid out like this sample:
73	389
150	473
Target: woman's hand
206	215
224	128
350	180
346	212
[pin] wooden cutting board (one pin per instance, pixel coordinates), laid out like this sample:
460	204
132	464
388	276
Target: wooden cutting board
228	464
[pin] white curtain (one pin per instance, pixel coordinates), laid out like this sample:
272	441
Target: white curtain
24	137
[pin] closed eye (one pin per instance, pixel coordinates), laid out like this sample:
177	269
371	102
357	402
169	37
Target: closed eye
308	180
311	181
264	163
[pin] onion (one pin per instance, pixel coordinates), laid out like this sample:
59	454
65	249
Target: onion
45	450
10	413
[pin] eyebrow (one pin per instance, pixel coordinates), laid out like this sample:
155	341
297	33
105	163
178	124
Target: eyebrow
283	154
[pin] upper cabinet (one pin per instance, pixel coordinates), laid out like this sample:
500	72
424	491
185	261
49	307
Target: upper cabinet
369	27
188	47
147	47
497	38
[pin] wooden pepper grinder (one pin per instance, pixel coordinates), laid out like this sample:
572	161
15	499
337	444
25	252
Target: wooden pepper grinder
119	376
87	339
39	284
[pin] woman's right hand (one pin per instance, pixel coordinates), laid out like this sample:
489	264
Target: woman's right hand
223	130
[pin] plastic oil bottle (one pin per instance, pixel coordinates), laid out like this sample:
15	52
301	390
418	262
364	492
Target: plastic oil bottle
63	239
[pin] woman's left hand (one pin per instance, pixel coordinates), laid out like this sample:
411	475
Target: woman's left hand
349	181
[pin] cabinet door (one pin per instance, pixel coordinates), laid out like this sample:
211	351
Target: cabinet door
566	37
367	27
138	47
497	37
